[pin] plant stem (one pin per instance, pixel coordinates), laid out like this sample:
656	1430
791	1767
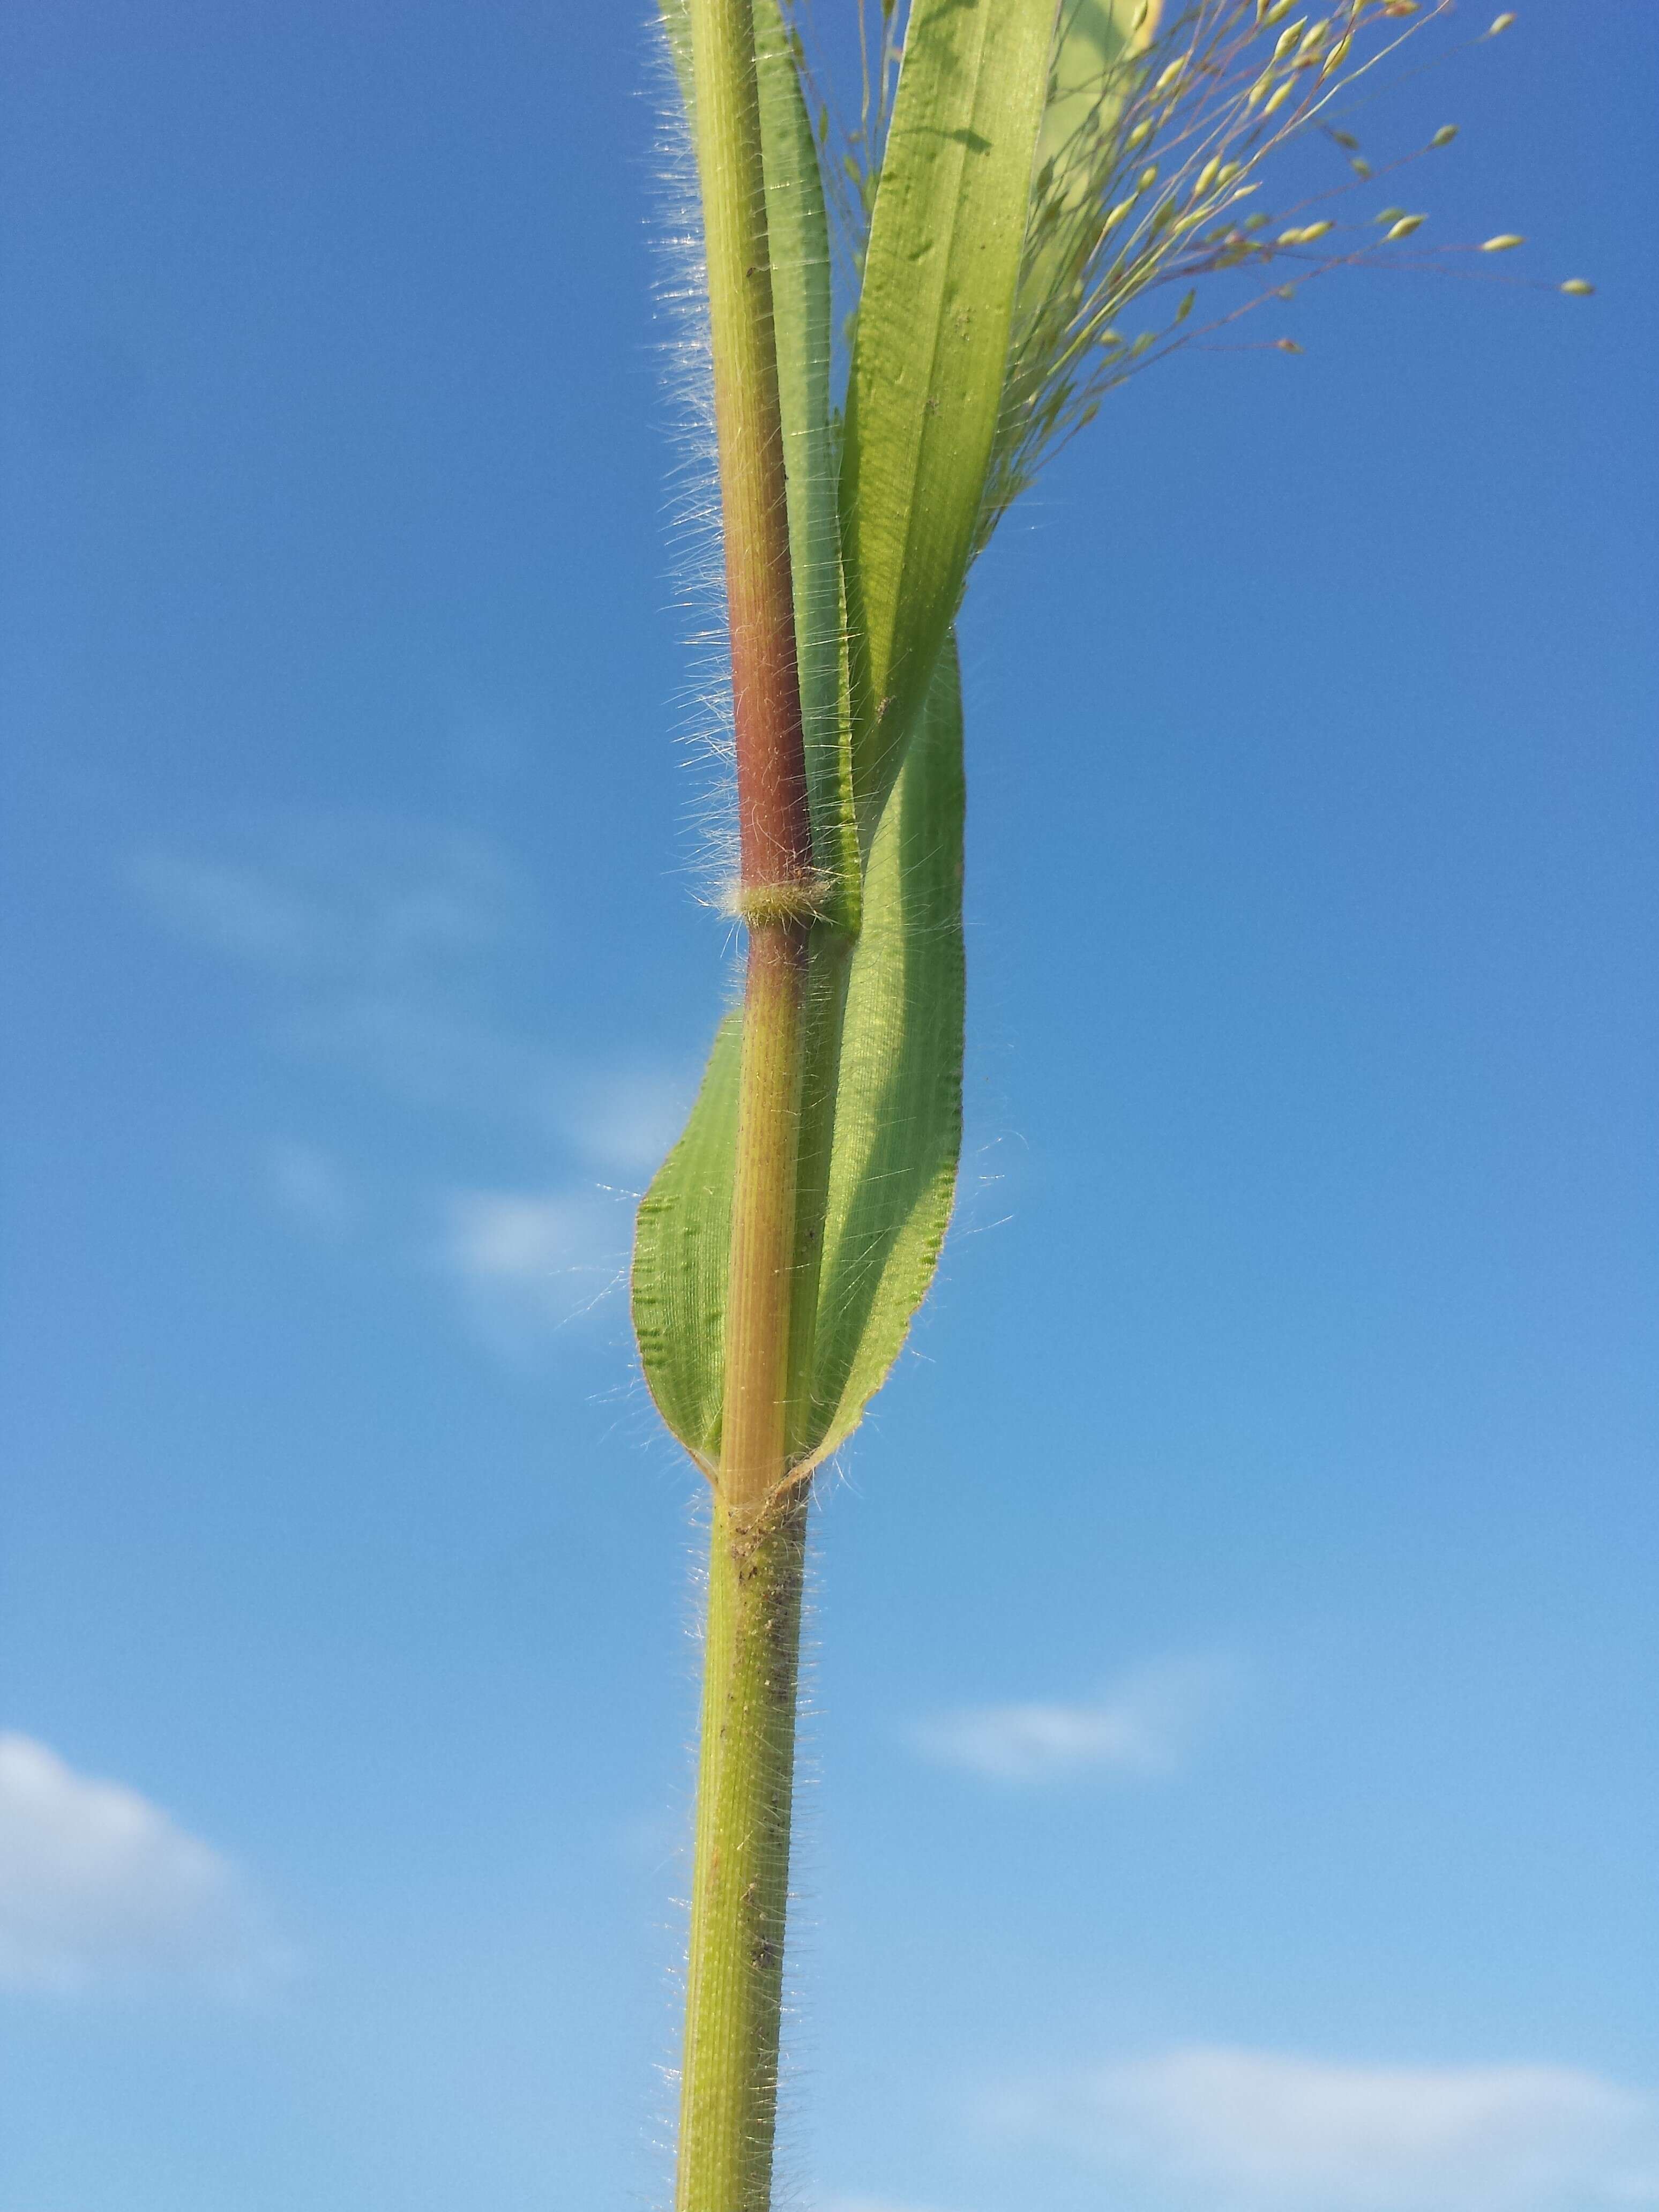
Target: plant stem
728	2095
775	827
729	2085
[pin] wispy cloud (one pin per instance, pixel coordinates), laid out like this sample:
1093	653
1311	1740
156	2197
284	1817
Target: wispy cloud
384	945
623	1120
1227	2130
379	946
309	1185
1143	1725
364	899
100	1887
865	2204
388	949
527	1263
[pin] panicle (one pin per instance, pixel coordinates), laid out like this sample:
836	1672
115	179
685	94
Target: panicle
1188	108
1162	116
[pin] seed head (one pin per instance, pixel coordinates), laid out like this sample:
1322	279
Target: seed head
1502	243
1404	227
1578	288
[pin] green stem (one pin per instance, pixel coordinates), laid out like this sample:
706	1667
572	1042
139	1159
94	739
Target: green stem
734	1994
740	1875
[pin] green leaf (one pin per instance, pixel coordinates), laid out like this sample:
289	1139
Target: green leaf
1095	73
1094	48
931	350
898	1111
1098	68
682	1248
799	250
898	1133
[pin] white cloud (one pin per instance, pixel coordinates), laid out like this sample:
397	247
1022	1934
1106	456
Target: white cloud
234	910
1143	1724
310	1185
383	944
100	1886
1226	2130
865	2204
367	898
389	949
625	1123
528	1262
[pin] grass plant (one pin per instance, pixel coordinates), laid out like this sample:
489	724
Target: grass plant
1022	184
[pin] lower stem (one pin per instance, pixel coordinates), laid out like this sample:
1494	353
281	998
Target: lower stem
745	1778
754	1425
740	1884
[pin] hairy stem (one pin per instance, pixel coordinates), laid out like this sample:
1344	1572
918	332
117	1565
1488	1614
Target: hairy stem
729	2086
754	1432
740	1874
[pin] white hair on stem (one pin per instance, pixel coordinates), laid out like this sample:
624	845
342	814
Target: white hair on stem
704	719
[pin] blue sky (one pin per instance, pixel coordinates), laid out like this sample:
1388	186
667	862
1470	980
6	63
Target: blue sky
1231	1750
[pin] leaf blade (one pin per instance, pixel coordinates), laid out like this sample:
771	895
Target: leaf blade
930	356
797	232
898	1115
682	1244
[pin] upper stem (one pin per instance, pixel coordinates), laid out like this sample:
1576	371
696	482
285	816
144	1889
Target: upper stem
775	827
774	823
